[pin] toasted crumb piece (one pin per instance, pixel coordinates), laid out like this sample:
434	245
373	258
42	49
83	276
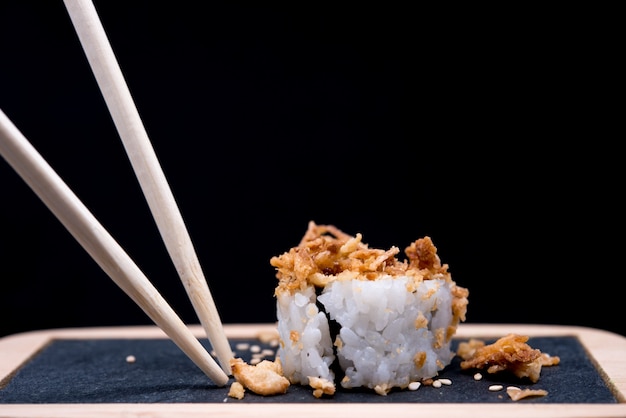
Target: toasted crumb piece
508	353
265	378
321	386
548	360
383	389
236	390
516	393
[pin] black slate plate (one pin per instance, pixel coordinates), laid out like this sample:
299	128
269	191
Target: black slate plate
94	371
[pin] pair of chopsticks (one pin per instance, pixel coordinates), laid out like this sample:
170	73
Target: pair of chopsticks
85	228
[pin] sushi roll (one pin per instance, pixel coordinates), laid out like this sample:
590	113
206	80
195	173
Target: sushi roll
359	317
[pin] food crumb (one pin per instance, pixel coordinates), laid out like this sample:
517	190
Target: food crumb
321	386
236	390
516	393
130	359
264	378
510	352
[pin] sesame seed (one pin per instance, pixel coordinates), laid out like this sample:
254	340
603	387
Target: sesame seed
495	388
414	385
437	383
478	376
255	348
130	359
242	346
446	382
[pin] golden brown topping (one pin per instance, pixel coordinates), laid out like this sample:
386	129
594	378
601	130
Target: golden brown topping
236	390
266	378
419	359
382	389
440	338
423	255
326	253
516	393
508	353
321	386
421	321
459	304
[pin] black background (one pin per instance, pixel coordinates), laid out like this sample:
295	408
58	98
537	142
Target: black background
494	132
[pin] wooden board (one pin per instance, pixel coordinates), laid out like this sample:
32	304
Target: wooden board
606	350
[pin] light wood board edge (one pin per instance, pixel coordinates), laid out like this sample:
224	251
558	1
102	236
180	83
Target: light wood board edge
606	349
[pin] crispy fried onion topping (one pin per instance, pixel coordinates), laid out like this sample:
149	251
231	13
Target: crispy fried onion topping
266	378
326	253
510	352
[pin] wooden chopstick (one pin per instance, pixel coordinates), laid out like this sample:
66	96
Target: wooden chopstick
73	214
149	172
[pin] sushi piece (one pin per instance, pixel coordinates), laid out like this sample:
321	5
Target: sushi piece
356	316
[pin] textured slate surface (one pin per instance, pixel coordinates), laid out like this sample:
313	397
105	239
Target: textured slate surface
96	371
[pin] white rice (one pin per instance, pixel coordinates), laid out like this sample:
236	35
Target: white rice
307	349
386	326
